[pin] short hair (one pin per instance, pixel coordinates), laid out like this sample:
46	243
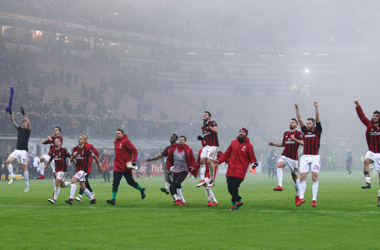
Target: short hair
59	139
208	113
119	129
86	137
176	136
376	112
60	130
311	119
182	136
294	119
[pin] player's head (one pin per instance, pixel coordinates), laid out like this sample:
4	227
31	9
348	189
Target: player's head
85	138
81	140
310	124
57	131
173	138
182	140
24	124
57	142
119	133
293	123
243	132
206	116
376	116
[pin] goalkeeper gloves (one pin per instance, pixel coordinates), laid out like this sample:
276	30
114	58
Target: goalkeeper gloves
200	138
22	111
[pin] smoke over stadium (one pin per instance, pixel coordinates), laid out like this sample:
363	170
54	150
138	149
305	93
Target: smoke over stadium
152	70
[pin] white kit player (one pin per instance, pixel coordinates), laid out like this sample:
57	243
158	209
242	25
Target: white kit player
20	153
289	155
46	158
210	144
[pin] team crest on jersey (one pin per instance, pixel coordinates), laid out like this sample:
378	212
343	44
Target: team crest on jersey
243	149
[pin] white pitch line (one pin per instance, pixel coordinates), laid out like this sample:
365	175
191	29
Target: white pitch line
203	209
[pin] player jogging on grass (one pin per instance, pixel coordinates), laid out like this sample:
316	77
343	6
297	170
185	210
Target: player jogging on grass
125	161
210	144
81	157
373	141
179	162
20	153
289	155
45	158
240	155
169	188
58	155
89	163
310	160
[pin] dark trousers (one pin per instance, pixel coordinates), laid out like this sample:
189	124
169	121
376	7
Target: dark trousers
178	178
139	173
271	170
117	177
87	185
233	185
348	167
106	175
148	169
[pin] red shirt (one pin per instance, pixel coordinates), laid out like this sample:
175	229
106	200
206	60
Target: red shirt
51	142
372	133
59	157
167	150
291	146
83	158
91	147
210	138
124	152
312	140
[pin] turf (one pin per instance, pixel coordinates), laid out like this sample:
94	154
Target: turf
346	217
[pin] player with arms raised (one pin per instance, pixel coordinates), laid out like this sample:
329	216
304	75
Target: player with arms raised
210	144
310	160
46	158
289	155
23	134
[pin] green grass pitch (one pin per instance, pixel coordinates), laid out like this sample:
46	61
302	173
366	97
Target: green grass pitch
347	217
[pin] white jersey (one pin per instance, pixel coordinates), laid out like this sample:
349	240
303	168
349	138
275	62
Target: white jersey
36	162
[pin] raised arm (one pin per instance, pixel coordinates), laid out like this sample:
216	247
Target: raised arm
13	121
316	112
299	117
155	158
27	122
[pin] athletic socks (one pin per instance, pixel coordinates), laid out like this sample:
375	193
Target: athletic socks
212	195
139	188
174	197
234	204
378	194
202	170
302	189
315	190
167	186
10	170
42	168
56	193
67	184
279	176
179	195
296	186
73	190
367	178
88	194
114	195
207	189
26	177
211	170
80	196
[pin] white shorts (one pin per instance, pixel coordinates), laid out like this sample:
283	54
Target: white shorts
210	152
60	176
52	163
80	175
20	155
375	157
293	164
310	163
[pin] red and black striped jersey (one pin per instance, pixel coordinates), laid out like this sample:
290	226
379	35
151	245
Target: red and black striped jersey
51	142
59	157
374	139
291	146
210	138
312	139
167	150
83	158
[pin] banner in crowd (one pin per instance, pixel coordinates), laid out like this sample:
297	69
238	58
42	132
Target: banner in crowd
155	168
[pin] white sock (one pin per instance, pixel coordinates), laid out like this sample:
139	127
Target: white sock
67	184
297	187
207	189
73	190
368	179
179	193
42	168
315	190
10	170
379	194
212	196
26	177
202	169
80	196
211	170
175	197
56	193
302	189
88	194
279	176
54	181
167	186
